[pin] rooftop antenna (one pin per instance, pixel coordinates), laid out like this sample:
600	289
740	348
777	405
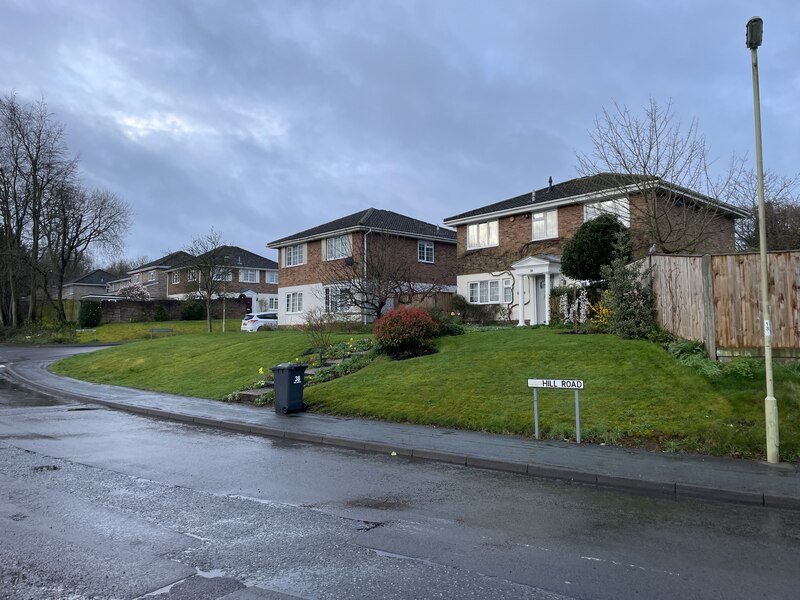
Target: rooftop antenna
550	184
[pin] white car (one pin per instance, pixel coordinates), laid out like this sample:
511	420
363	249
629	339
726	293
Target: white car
259	321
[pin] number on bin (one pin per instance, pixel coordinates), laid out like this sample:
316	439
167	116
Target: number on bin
297	379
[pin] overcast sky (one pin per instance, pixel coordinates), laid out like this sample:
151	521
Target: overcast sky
263	118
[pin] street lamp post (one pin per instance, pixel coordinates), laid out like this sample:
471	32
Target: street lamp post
755	31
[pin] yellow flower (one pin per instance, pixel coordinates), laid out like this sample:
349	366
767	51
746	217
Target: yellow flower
452	314
260	370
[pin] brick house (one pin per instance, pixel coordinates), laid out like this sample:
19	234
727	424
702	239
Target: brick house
509	251
323	266
152	276
244	274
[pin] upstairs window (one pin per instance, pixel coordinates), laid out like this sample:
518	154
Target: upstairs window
483	235
272	277
248	275
151	276
425	251
545	225
192	276
176	277
294	255
620	208
222	274
337	247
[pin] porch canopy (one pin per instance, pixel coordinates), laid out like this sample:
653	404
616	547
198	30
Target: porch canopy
527	272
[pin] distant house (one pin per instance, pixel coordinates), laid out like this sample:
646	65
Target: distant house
244	275
91	284
509	251
320	266
152	276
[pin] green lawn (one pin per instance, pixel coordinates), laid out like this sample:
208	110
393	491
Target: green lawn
636	394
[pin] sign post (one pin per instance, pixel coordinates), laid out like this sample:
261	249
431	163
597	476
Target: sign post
569	384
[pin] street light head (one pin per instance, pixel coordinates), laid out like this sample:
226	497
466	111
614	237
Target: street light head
755	32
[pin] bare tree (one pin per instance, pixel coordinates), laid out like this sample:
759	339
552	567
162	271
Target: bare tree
73	221
665	170
120	266
212	271
782	211
370	283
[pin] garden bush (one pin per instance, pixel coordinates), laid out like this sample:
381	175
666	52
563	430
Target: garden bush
404	332
475	313
160	313
192	311
90	313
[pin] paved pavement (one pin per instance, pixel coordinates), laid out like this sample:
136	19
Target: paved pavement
680	476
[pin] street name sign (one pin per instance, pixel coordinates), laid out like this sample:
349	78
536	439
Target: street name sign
571	384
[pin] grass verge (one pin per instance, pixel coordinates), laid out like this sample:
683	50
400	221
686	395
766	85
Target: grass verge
636	393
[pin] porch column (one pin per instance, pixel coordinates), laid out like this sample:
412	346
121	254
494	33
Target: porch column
534	300
521	294
547	287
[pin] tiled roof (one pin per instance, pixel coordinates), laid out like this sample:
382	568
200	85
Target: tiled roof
566	189
239	257
165	262
96	277
373	218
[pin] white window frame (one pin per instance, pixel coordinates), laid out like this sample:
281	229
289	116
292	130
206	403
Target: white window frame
249	276
176	277
548	219
273	303
338	247
508	290
294	302
272	276
294	256
191	275
137	278
334	302
619	207
151	276
222	274
486	291
425	251
483	235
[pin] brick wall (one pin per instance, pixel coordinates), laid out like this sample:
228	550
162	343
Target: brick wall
234	287
126	311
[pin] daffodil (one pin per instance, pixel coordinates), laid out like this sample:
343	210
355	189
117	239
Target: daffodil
260	370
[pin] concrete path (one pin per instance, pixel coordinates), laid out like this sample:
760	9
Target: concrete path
678	476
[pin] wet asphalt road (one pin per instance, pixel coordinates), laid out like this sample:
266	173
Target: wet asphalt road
102	504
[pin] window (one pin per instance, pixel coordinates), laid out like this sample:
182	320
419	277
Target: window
484	292
192	276
222	274
508	288
294	302
273	303
545	225
294	255
620	208
425	251
272	277
248	275
151	276
176	277
137	278
482	235
337	247
335	300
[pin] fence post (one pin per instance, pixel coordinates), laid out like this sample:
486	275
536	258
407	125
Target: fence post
709	316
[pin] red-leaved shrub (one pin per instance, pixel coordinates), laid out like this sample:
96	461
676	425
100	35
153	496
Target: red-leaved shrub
404	332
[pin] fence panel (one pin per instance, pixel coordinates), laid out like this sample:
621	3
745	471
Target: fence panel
678	283
694	300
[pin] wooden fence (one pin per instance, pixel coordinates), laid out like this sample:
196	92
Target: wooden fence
717	299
